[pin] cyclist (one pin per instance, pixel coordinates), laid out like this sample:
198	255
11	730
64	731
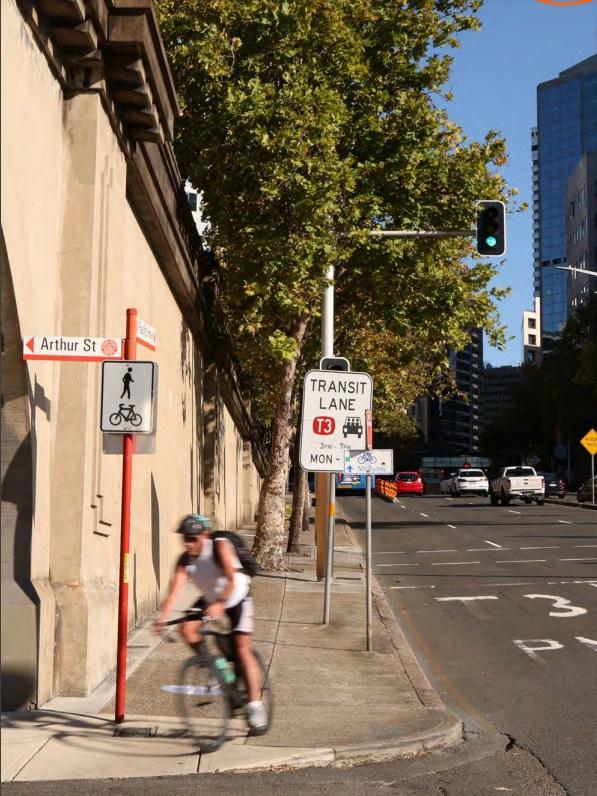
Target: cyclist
214	567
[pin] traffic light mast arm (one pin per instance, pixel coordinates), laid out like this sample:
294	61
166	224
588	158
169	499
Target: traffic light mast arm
408	233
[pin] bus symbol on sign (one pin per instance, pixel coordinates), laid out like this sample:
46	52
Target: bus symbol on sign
324	425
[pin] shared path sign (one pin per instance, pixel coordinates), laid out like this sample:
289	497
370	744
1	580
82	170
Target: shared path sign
333	418
128	393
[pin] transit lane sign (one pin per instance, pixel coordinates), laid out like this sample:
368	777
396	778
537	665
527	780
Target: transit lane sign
369	462
590	441
73	349
129	388
333	418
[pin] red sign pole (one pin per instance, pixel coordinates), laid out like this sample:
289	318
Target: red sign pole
130	352
369	429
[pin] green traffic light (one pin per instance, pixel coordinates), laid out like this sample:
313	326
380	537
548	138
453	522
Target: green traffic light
491	241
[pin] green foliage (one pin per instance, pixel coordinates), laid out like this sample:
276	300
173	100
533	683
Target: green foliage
305	124
556	401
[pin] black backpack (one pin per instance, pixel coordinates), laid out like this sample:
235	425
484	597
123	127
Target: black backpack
247	560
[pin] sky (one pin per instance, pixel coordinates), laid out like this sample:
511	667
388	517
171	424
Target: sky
494	80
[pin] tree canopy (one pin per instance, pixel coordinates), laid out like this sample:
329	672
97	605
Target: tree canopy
307	123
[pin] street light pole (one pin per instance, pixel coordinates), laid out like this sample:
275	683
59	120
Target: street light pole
327	350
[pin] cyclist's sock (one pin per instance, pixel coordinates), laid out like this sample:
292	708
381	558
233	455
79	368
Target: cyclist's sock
196	646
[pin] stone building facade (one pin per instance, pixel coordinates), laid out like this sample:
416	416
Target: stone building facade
94	221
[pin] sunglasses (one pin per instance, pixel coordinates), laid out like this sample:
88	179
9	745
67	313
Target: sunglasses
190	538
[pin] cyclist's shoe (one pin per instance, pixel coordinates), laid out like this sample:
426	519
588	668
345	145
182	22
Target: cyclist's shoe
257	718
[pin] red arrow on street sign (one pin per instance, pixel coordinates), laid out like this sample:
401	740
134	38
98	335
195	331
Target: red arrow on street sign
30	344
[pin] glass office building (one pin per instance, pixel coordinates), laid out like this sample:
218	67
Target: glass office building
566	129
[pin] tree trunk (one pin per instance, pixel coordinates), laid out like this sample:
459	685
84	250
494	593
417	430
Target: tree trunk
299	495
268	546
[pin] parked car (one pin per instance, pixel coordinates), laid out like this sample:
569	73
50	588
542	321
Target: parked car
409	482
517	482
469	481
444	484
554	485
585	490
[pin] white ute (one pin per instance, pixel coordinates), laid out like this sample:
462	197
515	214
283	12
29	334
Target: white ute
520	482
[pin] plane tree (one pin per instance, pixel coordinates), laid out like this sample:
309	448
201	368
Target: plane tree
306	123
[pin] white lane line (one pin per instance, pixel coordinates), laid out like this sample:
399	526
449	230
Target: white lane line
437	551
491	543
412	587
450	526
546	547
584	545
390	553
423	515
512	511
397	564
577	559
465	599
452	563
483	549
566	522
524	561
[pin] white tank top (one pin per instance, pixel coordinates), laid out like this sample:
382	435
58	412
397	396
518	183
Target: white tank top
210	578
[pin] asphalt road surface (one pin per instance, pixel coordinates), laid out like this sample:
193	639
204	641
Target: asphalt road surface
500	606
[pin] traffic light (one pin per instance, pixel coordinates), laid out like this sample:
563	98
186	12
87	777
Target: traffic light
334	363
491	227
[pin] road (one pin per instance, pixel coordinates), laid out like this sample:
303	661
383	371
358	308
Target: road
500	605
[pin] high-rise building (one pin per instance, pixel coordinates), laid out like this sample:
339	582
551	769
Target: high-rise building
453	426
581	231
566	129
498	388
531	334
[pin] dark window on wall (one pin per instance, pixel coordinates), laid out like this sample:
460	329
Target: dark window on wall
192	197
532	323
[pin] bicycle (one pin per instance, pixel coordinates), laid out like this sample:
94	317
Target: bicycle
218	682
128	415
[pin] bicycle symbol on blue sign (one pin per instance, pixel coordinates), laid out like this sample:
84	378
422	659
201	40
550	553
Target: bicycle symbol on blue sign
367	458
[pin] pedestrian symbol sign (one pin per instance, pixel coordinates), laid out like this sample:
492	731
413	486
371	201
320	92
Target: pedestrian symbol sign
333	418
128	393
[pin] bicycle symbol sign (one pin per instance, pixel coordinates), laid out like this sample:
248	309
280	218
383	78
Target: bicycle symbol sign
128	393
374	462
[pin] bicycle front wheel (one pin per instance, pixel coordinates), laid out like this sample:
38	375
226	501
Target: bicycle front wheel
204	703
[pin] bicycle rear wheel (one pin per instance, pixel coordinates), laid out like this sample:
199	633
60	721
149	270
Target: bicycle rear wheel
204	702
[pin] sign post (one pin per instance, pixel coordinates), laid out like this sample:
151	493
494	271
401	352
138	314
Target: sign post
589	441
130	353
369	463
334	404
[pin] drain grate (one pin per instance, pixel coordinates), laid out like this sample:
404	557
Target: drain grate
136	732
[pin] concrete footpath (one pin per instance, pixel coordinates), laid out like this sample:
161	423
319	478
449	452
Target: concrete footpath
335	703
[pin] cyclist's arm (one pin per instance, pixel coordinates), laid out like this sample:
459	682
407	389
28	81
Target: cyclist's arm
177	582
226	562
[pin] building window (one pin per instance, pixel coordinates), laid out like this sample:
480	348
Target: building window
530	356
192	197
532	323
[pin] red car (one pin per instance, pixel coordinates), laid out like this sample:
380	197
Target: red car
409	483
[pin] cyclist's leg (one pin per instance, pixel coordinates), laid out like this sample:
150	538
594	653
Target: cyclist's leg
191	631
242	626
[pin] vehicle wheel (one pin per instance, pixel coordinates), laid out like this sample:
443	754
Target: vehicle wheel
493	499
528	502
540	502
204	702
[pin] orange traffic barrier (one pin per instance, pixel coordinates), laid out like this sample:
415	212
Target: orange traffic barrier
385	488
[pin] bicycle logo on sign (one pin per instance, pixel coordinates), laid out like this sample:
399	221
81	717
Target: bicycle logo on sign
127	414
367	458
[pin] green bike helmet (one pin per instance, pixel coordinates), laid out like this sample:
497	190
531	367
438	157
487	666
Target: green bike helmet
194	524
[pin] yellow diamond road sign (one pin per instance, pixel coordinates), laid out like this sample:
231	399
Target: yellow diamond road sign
590	441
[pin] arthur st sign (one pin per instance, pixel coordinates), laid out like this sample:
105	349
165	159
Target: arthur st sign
333	419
